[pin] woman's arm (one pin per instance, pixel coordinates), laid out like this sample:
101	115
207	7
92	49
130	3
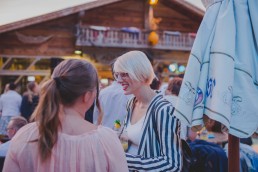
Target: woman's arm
166	129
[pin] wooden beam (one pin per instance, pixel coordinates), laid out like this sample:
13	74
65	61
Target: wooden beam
24	72
24	57
28	68
6	63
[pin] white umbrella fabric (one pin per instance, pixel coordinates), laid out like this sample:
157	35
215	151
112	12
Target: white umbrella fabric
221	78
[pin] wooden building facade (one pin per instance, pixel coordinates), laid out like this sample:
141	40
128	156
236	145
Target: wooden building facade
100	31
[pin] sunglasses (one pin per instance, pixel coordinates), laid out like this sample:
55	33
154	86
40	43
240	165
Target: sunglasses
121	75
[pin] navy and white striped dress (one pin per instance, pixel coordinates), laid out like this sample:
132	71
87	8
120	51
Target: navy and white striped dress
160	146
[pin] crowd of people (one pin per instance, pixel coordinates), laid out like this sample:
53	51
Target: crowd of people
48	131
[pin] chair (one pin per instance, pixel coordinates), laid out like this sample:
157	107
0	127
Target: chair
2	158
208	157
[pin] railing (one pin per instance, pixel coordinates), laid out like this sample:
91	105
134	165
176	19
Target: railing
107	37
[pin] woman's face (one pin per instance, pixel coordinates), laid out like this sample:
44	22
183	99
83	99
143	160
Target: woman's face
129	86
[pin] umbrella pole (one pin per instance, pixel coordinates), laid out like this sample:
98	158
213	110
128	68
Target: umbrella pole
233	154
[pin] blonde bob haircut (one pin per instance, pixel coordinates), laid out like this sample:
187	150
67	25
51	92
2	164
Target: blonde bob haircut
137	65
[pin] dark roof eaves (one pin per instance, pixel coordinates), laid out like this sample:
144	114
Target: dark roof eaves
54	15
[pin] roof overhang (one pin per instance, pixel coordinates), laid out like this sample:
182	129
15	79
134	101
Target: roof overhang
17	21
14	14
180	5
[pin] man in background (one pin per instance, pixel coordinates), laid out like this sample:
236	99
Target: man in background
13	126
10	103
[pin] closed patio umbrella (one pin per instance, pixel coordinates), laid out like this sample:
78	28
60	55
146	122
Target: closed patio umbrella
221	78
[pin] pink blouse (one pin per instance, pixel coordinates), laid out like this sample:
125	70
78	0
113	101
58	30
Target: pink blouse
96	151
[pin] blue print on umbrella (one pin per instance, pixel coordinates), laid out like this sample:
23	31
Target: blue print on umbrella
198	97
210	85
236	108
227	96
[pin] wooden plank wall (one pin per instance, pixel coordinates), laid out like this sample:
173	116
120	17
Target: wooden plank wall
128	13
172	20
122	14
131	14
62	41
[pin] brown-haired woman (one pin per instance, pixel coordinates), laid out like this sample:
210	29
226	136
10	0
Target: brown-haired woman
30	100
60	139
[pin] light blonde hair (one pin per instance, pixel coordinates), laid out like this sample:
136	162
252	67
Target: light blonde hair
137	65
70	80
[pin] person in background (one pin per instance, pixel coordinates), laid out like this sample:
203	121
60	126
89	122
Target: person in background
153	130
13	126
30	100
10	103
248	156
173	88
113	105
214	134
6	88
155	84
89	114
60	139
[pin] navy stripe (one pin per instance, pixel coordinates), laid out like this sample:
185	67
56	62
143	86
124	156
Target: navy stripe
178	141
158	142
151	109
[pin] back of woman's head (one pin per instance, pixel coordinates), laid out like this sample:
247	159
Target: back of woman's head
137	65
70	80
31	90
31	85
174	85
73	78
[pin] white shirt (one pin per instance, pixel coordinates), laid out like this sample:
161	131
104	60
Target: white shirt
113	103
4	148
134	133
10	103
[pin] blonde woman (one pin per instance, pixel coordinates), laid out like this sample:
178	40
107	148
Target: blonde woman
60	139
153	130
